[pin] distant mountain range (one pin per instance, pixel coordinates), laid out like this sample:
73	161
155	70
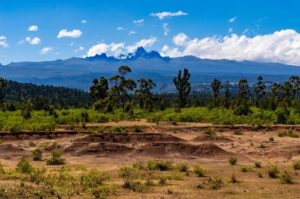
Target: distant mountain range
79	72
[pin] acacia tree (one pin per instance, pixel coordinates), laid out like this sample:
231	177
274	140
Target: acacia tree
216	85
121	86
259	90
183	86
144	94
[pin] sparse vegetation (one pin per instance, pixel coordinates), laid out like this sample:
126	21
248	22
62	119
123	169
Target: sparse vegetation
296	165
232	160
37	154
273	171
286	178
288	133
199	171
56	158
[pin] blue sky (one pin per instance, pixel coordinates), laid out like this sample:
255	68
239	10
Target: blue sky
207	29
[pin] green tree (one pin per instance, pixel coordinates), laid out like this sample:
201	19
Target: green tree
294	82
227	94
3	84
216	86
99	89
243	92
259	90
144	94
121	86
183	86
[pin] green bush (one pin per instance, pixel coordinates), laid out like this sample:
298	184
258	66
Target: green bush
93	179
296	165
199	171
37	154
232	160
183	167
160	165
286	178
24	166
273	171
56	158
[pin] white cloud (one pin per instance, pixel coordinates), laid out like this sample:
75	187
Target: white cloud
121	28
117	49
138	22
33	41
33	28
81	48
162	15
142	43
281	46
180	39
46	50
167	51
3	41
72	33
166	29
83	21
132	32
232	20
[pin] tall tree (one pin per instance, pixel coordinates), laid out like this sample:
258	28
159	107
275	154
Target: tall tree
183	86
3	84
243	91
144	94
121	86
259	90
295	86
99	89
227	94
216	86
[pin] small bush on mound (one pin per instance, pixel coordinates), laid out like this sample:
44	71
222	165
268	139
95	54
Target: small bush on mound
273	171
37	154
160	165
137	129
56	158
296	165
209	132
288	133
199	171
232	179
183	167
245	169
93	179
131	179
232	160
215	183
257	164
238	132
286	178
24	166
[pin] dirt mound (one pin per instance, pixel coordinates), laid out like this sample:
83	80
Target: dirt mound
181	150
130	138
206	138
11	149
97	149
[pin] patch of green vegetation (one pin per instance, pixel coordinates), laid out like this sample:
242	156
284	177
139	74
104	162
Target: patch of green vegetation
273	171
296	165
199	171
288	133
286	178
56	158
160	165
232	160
37	154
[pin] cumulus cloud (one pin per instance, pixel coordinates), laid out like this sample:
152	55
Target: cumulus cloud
46	50
138	22
117	49
170	52
281	46
180	39
33	41
232	20
166	29
162	15
72	33
3	41
33	28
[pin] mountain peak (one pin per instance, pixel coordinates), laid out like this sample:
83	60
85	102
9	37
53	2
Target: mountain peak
140	51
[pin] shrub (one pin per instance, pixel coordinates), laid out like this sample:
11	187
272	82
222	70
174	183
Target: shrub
257	164
232	160
199	171
209	132
137	129
260	175
56	158
286	178
296	165
160	165
103	191
37	154
288	133
232	179
24	166
215	183
129	173
163	180
238	132
183	167
271	139
93	179
273	171
136	186
245	169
